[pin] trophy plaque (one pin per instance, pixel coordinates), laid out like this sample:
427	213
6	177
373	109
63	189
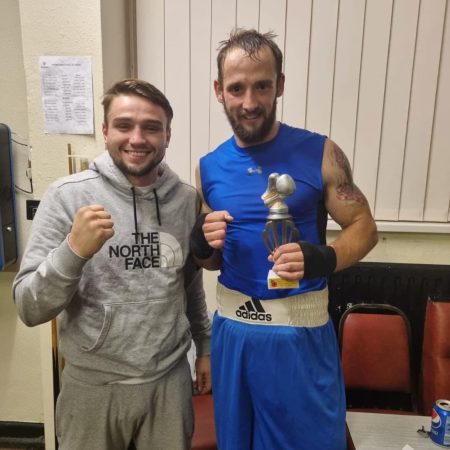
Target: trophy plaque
280	228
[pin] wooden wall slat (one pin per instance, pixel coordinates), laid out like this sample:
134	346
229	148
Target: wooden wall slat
374	75
150	48
423	96
437	205
296	58
371	95
223	16
201	80
247	13
177	63
273	18
396	108
346	76
321	65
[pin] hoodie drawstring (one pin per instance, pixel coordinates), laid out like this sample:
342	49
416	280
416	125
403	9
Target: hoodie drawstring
158	214
157	207
134	210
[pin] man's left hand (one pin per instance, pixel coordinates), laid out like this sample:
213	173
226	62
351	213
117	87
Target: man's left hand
202	383
288	261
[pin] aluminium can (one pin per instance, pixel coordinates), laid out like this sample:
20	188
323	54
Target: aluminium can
440	423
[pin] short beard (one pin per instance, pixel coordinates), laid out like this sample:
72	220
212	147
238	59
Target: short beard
258	135
129	171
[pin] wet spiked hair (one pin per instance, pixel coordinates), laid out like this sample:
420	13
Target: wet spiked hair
251	41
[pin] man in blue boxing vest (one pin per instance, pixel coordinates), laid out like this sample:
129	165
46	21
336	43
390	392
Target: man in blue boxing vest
277	379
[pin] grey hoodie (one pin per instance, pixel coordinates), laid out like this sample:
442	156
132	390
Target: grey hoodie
127	313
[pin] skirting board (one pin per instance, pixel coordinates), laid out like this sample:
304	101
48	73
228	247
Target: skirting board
25	435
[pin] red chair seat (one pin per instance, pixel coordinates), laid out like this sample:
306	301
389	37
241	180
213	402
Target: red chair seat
204	437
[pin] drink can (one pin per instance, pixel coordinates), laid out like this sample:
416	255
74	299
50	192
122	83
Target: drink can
440	423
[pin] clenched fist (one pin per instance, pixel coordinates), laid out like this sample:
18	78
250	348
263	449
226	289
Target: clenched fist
215	228
91	228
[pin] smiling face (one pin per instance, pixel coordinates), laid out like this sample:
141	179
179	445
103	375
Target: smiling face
136	134
248	92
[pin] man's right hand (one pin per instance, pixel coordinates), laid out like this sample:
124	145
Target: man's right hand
215	228
91	228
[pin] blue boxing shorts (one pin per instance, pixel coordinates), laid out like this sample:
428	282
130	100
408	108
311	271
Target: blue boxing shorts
277	378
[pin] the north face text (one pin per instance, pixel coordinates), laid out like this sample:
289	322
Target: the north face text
143	254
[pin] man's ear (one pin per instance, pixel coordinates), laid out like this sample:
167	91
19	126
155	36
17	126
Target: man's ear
104	131
218	89
168	136
280	85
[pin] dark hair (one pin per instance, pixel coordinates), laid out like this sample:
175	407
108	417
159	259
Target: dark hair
251	42
141	88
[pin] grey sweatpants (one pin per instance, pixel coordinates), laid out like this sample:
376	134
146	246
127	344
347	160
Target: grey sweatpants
154	416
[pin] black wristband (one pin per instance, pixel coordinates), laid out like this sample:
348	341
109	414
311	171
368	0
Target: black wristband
320	260
199	245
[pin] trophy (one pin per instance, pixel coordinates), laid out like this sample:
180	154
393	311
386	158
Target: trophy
280	228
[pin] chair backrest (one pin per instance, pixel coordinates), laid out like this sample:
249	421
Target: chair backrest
435	367
375	342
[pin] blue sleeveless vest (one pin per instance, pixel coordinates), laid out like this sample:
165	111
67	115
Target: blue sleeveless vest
234	178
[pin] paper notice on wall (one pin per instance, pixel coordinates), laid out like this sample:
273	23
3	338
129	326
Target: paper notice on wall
66	83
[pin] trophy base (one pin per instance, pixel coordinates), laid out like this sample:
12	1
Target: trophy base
276	282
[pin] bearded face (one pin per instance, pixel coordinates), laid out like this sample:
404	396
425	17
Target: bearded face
248	91
252	127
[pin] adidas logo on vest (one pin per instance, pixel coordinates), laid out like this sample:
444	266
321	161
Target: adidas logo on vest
253	310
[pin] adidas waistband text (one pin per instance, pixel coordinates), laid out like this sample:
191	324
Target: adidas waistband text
304	310
253	310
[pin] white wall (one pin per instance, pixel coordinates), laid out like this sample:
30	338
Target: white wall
28	30
372	75
20	367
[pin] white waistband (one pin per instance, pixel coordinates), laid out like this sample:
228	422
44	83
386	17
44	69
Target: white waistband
305	310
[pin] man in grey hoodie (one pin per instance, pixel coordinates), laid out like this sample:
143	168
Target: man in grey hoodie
108	255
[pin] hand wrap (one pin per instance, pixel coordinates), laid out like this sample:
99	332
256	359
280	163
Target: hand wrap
320	260
199	245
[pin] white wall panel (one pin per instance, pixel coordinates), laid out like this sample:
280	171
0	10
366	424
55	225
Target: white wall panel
374	75
247	13
396	108
296	61
177	63
150	45
273	18
371	95
321	65
223	21
346	76
423	97
437	206
201	80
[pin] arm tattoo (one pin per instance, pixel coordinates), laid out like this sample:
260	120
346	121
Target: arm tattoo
346	189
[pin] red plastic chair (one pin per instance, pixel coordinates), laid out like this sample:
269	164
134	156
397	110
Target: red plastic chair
435	368
376	352
204	437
